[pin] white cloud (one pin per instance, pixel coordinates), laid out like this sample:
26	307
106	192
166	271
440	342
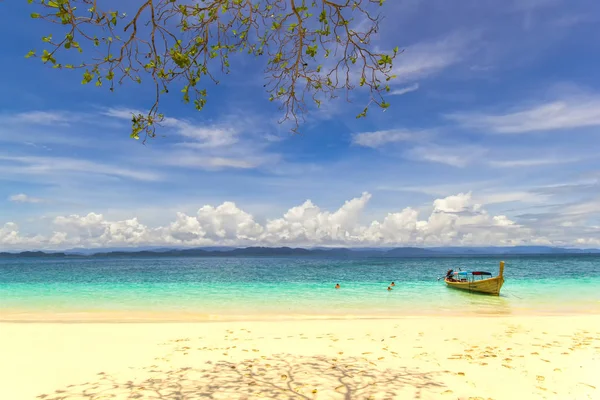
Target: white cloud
455	204
308	223
211	136
202	135
10	237
484	196
39	118
530	162
9	233
94	231
584	208
510	197
237	142
441	190
452	220
43	166
430	58
227	222
23	198
191	160
564	114
38	129
588	242
404	90
122	113
453	156
379	138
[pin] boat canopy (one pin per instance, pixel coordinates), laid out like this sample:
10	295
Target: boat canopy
462	273
465	273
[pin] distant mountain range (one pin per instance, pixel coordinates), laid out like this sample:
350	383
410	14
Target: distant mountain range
301	252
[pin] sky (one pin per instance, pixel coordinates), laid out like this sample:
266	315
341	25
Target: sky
491	139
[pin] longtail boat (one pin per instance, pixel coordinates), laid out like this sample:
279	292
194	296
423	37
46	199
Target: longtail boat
476	281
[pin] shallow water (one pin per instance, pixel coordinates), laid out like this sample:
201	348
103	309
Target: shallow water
294	286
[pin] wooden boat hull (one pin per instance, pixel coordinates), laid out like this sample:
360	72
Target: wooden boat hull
489	286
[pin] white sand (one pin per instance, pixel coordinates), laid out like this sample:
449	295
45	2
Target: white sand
428	358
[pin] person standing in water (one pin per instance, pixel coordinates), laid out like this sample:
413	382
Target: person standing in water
389	288
393	284
337	286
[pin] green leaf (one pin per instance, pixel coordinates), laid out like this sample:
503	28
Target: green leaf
48	57
30	54
87	77
35	15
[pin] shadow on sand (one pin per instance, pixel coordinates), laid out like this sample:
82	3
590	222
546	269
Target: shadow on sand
279	376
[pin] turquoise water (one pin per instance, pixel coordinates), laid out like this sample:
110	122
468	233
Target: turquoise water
287	286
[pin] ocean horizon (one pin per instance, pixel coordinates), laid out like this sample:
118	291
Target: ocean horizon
319	251
276	287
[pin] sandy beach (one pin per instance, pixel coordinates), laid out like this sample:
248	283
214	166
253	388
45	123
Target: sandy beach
553	357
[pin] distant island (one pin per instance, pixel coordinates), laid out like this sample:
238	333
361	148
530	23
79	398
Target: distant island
399	252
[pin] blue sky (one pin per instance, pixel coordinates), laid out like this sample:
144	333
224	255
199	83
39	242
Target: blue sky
491	139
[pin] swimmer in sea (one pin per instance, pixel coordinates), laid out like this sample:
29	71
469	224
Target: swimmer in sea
337	286
389	288
393	284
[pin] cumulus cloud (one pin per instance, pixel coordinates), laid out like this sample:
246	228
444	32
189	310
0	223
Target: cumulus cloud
11	237
9	233
452	220
94	230
455	204
309	224
227	222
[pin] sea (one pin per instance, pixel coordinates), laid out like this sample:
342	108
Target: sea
134	288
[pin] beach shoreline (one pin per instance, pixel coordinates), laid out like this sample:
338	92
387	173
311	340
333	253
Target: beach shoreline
403	357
